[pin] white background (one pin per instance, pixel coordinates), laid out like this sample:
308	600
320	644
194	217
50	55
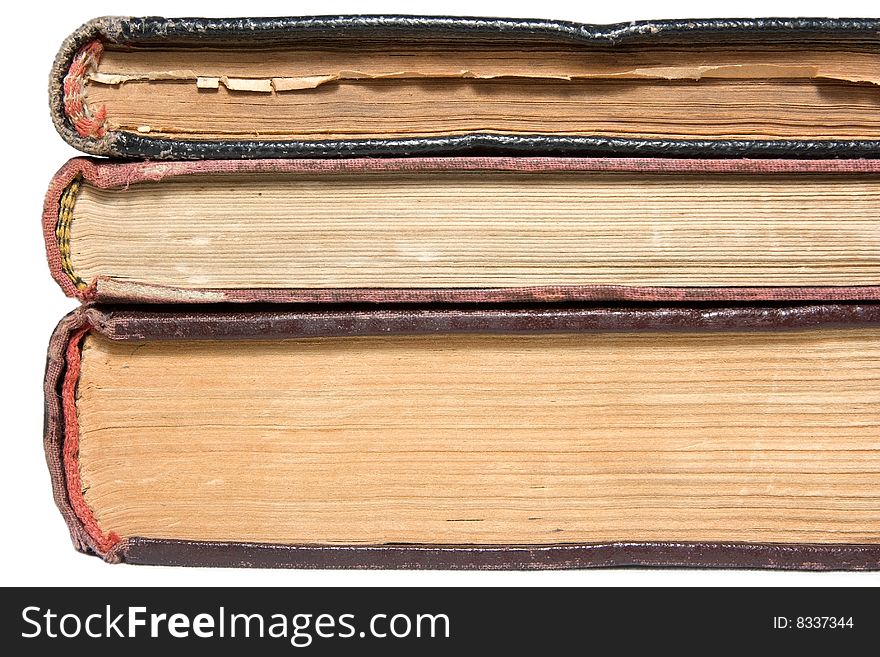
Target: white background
35	545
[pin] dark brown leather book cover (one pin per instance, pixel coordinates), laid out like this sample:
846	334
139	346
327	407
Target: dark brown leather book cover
184	323
61	198
85	128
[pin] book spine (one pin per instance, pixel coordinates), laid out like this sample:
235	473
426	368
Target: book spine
60	435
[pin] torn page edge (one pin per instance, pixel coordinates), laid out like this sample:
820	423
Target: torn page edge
281	84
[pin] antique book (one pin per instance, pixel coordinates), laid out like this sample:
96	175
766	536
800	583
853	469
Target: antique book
532	437
192	88
466	229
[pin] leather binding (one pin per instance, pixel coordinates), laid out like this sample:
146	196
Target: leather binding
125	31
114	174
194	323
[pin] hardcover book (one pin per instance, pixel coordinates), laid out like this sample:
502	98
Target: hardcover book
710	436
192	88
466	230
409	292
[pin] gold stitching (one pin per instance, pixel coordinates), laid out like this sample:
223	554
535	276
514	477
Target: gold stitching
62	230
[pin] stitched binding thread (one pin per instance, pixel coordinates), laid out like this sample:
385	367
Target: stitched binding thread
70	451
87	122
62	230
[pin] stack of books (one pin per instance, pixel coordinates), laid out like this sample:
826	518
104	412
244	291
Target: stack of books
408	292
